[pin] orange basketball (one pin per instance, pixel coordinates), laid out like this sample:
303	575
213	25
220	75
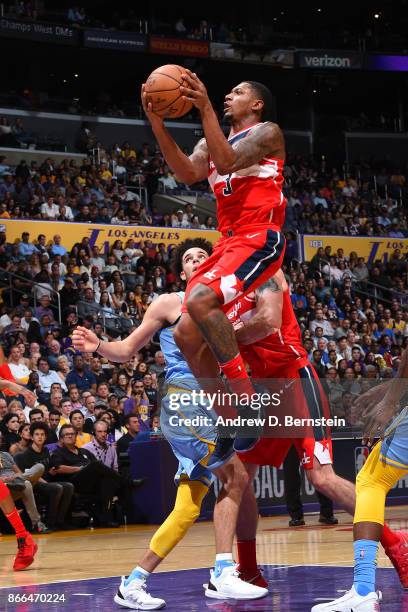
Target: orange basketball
163	92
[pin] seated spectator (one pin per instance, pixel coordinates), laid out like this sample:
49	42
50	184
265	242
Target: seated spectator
54	420
19	370
22	488
47	377
58	495
81	378
88	475
24	442
9	428
122	446
77	420
99	446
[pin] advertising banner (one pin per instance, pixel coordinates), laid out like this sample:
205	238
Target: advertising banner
391	63
100	235
372	249
155	462
35	30
120	41
339	60
179	46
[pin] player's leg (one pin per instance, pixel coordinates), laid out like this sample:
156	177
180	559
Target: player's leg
374	481
247	525
26	546
225	581
239	266
190	494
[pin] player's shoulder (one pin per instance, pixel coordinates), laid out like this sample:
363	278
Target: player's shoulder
165	305
269	128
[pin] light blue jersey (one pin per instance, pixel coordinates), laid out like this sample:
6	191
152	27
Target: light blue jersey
177	370
193	446
394	447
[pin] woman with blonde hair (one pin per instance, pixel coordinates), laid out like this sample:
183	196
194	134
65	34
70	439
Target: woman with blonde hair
63	367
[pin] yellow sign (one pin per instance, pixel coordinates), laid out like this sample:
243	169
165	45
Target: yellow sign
101	235
372	249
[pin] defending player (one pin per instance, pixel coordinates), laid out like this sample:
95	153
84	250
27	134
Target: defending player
194	448
281	356
245	173
386	464
26	545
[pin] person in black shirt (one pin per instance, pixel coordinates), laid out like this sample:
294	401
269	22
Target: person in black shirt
58	495
122	445
88	475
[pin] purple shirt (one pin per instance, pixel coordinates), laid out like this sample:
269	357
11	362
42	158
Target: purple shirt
105	454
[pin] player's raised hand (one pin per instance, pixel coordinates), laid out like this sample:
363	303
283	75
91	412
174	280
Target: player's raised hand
29	396
148	109
368	400
84	340
376	421
194	90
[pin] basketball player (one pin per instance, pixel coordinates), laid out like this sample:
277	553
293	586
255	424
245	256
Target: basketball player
245	173
25	543
386	464
281	356
193	447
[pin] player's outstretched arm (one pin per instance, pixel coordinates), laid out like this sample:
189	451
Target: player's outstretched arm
268	313
188	170
265	140
377	419
28	395
87	341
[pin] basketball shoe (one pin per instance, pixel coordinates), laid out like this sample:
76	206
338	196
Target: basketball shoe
254	577
352	602
398	555
25	554
135	596
229	585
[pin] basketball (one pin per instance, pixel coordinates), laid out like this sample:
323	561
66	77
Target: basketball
163	92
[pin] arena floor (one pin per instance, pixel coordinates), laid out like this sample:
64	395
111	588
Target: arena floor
304	566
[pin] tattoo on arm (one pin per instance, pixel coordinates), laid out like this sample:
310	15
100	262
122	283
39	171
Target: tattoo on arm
270	285
265	140
199	157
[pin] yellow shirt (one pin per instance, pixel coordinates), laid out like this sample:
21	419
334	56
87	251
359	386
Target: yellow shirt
82	439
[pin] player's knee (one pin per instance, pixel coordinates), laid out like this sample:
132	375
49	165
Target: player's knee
201	300
323	479
187	516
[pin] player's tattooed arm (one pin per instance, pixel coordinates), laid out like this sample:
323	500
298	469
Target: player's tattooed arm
267	317
266	140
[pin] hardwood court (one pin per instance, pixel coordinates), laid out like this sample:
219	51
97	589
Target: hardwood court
101	553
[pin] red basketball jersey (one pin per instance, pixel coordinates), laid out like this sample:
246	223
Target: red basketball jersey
287	340
250	196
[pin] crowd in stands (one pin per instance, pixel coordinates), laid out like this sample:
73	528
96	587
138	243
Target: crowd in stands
369	200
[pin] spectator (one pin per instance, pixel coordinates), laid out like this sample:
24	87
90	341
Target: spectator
77	420
83	379
104	451
47	377
58	495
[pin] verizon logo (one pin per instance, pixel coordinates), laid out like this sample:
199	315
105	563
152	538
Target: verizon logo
327	61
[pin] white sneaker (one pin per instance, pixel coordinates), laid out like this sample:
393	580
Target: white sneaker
352	602
229	585
135	596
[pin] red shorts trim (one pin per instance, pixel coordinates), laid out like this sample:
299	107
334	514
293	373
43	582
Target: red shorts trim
272	451
240	264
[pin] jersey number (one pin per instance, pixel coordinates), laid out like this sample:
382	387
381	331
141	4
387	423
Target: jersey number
228	187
